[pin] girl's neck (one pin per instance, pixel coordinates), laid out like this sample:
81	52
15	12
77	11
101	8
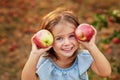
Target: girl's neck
64	62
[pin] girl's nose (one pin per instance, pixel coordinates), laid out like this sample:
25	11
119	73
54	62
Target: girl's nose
66	41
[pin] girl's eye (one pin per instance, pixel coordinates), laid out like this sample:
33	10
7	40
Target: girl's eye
72	36
58	38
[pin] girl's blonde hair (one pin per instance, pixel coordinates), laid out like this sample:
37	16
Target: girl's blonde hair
54	17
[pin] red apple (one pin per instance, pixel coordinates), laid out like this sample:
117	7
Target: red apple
84	32
116	40
12	47
43	39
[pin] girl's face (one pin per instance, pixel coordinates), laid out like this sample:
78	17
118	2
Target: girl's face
65	43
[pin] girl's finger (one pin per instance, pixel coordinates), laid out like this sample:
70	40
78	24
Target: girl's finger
34	47
45	49
94	30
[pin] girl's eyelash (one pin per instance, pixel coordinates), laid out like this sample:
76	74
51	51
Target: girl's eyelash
72	35
58	38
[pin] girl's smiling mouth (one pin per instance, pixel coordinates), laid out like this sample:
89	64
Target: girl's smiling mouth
67	49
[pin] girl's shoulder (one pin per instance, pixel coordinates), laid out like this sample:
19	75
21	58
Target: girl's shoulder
84	55
84	60
44	66
83	52
43	60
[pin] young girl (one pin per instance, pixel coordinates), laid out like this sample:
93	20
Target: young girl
64	60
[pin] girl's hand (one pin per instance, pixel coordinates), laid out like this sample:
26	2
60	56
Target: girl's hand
91	42
37	51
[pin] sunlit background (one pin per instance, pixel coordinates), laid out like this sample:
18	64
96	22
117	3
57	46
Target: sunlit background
19	20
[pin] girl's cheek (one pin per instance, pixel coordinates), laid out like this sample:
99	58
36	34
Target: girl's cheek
55	43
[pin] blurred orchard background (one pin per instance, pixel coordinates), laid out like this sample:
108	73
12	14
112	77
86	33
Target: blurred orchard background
19	20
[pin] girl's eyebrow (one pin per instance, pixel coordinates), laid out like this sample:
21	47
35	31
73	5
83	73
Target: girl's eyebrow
63	35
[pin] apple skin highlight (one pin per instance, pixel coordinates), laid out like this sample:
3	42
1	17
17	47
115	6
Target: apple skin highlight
84	32
43	39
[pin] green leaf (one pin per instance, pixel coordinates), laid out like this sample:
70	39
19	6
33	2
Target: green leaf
102	20
95	23
106	41
118	69
116	34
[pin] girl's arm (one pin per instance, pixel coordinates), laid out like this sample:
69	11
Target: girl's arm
100	65
29	70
